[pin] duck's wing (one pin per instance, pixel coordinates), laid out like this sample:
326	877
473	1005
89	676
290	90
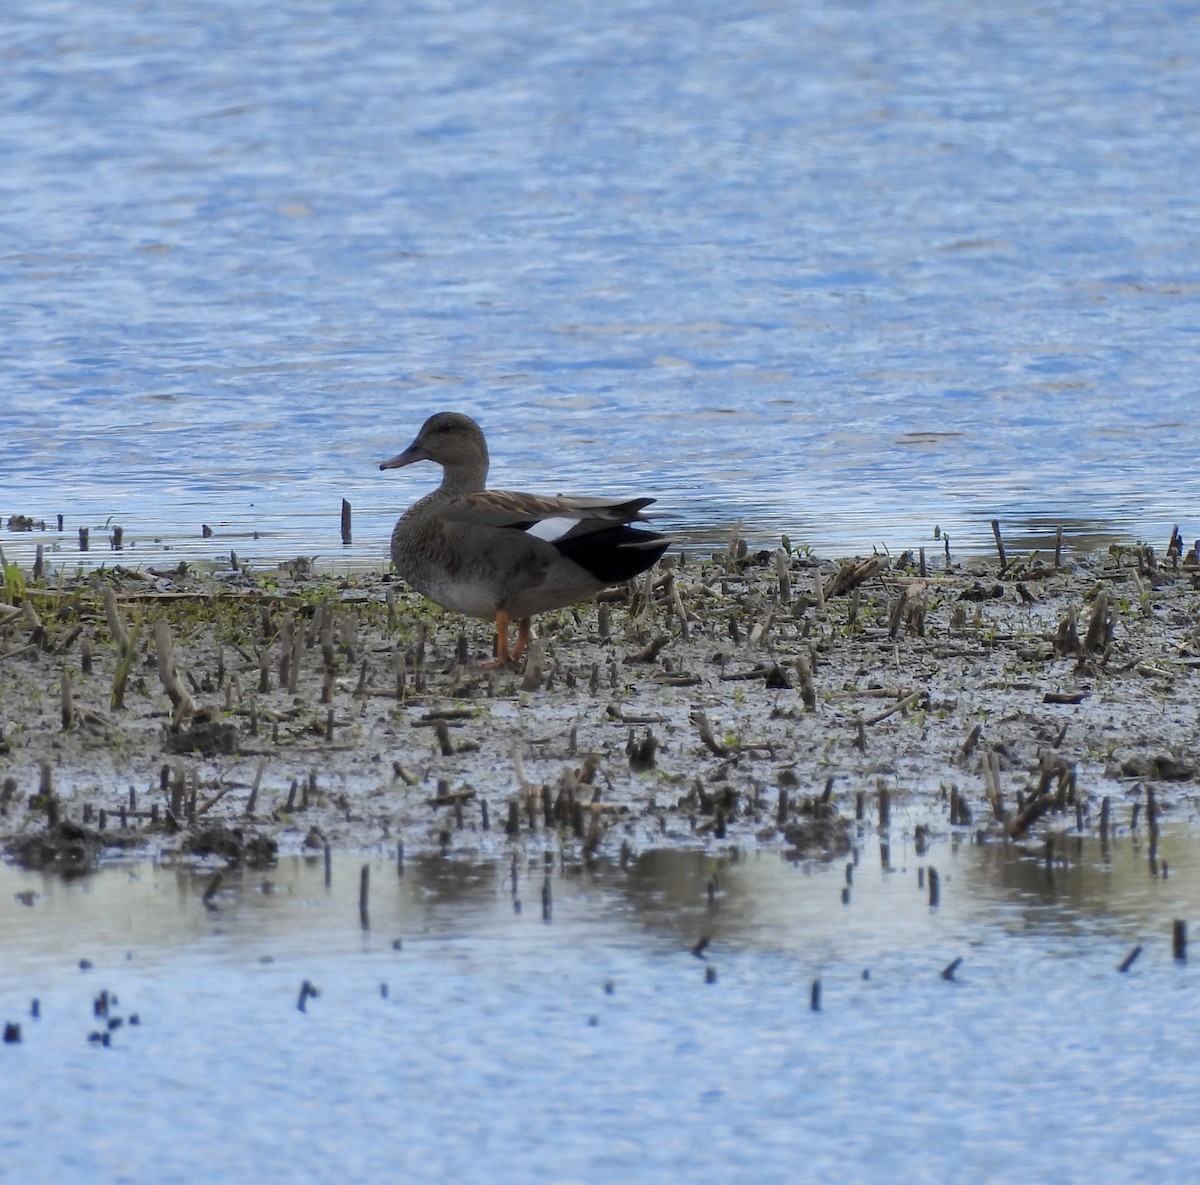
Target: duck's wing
549	519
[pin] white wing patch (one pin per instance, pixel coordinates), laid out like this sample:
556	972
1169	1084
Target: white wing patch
550	529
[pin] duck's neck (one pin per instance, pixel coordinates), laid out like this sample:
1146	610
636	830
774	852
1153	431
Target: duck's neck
464	477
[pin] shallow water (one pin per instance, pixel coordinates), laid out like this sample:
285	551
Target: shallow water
848	271
499	1052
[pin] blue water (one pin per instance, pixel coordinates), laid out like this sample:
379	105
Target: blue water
591	1049
849	271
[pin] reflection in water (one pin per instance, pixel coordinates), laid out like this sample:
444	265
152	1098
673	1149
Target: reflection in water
492	1044
750	900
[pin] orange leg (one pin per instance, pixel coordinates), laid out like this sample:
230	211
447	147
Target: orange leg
500	649
524	634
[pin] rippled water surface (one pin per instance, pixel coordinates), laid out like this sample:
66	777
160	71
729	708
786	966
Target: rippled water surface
461	1038
848	271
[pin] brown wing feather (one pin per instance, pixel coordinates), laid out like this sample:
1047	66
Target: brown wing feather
503	508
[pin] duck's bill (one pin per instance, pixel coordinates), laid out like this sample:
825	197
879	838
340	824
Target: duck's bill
410	454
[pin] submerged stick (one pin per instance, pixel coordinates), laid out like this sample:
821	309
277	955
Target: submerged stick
1129	959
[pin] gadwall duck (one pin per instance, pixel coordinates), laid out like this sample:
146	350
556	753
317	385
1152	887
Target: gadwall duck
504	556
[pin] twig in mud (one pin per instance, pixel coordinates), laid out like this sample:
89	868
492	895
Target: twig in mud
701	721
615	713
853	573
902	706
1033	810
649	652
209	803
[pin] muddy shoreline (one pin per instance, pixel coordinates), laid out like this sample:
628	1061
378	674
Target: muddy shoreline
746	697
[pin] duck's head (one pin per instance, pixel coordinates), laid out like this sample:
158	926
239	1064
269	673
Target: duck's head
453	441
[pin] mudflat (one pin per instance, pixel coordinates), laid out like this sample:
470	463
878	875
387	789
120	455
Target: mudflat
744	696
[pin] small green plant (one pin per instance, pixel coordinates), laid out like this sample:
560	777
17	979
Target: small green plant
14	582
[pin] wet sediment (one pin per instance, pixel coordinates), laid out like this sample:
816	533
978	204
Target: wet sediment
752	696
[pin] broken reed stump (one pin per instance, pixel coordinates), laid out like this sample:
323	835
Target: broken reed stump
66	699
935	886
182	704
1179	940
783	576
999	545
346	534
124	641
804	674
252	801
364	890
535	657
1101	625
990	767
287	625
